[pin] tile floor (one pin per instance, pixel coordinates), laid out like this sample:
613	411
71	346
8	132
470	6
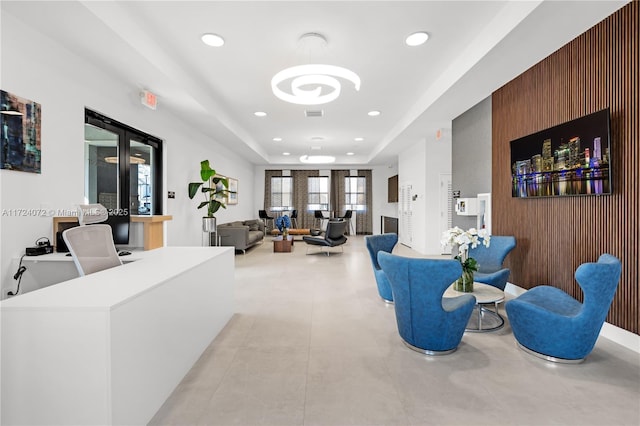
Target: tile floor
313	344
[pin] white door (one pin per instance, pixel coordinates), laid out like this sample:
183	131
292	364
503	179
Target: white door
405	215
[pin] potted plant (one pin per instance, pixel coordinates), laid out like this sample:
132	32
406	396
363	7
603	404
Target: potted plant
214	190
463	239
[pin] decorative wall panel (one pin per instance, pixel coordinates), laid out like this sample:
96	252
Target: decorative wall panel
598	69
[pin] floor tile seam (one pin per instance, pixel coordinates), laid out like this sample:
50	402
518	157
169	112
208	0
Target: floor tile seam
394	384
308	372
203	412
236	351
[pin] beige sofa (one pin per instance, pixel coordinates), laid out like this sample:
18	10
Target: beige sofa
241	234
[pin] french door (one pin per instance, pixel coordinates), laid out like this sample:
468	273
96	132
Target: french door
123	167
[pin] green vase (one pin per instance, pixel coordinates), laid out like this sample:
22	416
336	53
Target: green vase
465	282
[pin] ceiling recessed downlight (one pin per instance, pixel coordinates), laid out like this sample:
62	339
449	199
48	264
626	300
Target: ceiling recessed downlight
373	113
277	139
358	139
213	40
317	159
260	114
286	153
350	153
416	39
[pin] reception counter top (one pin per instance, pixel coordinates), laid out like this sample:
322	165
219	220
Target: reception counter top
109	348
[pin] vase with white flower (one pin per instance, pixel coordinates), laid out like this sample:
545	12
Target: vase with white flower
462	239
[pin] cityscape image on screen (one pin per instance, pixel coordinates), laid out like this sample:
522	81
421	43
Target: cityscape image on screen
569	159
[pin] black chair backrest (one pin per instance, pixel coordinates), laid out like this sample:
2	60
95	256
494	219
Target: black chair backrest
348	214
294	214
262	214
318	214
335	230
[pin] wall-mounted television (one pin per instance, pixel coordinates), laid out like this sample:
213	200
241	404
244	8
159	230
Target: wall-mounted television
392	189
569	159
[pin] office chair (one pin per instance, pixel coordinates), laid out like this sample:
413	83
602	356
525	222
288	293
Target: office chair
91	247
348	214
262	214
319	218
294	218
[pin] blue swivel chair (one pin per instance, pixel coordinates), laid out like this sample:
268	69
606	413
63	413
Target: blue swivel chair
549	323
375	244
490	259
427	322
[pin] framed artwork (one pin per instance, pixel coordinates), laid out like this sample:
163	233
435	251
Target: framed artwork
221	197
20	134
233	191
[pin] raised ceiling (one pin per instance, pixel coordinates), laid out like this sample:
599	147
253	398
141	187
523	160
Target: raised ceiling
474	48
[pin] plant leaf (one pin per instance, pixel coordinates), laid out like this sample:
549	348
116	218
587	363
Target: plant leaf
206	171
193	188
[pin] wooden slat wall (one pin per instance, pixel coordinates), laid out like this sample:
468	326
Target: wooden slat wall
598	69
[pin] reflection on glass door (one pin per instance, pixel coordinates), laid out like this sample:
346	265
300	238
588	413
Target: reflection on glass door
101	167
142	178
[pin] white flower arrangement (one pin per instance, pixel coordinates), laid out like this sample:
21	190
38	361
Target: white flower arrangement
463	239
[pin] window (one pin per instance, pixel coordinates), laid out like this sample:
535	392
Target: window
318	189
123	167
281	193
355	194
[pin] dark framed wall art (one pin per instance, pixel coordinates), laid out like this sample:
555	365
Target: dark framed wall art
20	133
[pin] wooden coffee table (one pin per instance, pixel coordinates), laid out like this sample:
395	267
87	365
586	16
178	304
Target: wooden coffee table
483	319
282	246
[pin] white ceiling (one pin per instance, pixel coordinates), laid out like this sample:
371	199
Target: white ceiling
474	48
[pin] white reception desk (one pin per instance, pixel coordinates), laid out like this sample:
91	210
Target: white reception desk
110	347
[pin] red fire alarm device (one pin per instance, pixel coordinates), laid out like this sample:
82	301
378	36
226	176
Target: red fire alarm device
149	99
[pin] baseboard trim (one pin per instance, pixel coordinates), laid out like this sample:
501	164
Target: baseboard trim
611	332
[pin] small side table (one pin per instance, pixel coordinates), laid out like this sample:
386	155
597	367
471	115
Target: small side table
483	319
281	245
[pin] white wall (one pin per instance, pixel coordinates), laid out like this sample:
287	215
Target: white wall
35	68
381	207
421	165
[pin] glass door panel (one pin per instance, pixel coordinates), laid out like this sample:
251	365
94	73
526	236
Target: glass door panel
101	167
142	178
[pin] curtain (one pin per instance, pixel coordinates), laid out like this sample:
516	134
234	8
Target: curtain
301	197
268	174
337	196
364	220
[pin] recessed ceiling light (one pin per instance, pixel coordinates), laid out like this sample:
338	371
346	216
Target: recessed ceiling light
350	153
358	139
416	39
260	114
316	148
373	113
213	40
317	138
286	153
277	139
